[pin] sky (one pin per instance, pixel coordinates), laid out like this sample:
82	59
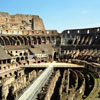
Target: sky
58	14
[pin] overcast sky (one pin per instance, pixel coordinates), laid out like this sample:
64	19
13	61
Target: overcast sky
58	14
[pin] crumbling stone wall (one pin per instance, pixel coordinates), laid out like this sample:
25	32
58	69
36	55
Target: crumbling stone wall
11	88
52	86
21	21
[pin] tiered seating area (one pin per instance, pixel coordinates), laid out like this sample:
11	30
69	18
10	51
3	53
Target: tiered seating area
92	55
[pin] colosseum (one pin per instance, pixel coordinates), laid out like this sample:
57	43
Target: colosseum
40	64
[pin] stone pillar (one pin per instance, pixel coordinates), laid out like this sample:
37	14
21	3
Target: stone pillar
5	91
62	40
55	40
68	77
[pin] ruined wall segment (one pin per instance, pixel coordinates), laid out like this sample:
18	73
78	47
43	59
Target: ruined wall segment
38	24
20	21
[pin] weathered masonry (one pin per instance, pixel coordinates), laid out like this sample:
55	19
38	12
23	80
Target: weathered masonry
57	66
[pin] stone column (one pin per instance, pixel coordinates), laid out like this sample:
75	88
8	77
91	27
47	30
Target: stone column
68	77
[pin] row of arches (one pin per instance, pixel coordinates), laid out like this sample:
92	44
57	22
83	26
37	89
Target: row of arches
87	40
28	40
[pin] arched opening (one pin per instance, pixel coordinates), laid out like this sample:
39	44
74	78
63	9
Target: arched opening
48	39
21	40
4	62
9	61
97	40
58	40
16	75
29	40
12	41
17	59
43	40
55	56
17	43
22	58
10	74
69	41
25	40
11	96
25	53
34	41
5	76
52	39
2	41
15	39
6	40
39	40
26	58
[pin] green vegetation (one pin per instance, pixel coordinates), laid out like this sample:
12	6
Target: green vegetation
96	88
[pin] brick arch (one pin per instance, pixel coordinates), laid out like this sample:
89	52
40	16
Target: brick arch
43	38
48	39
39	40
12	41
18	42
6	40
2	42
25	40
34	40
15	39
29	40
58	40
21	40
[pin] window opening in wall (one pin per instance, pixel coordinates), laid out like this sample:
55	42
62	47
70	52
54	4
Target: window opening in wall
73	36
4	67
37	32
5	19
9	66
12	32
25	54
19	74
23	21
78	31
0	31
10	74
22	58
43	51
88	31
68	32
20	54
42	31
5	75
26	58
68	35
30	21
47	32
6	31
52	32
38	61
17	32
98	29
0	79
96	37
63	36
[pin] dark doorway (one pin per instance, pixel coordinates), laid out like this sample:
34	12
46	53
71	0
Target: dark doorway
55	56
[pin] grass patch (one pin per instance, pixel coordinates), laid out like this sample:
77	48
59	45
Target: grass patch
96	88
